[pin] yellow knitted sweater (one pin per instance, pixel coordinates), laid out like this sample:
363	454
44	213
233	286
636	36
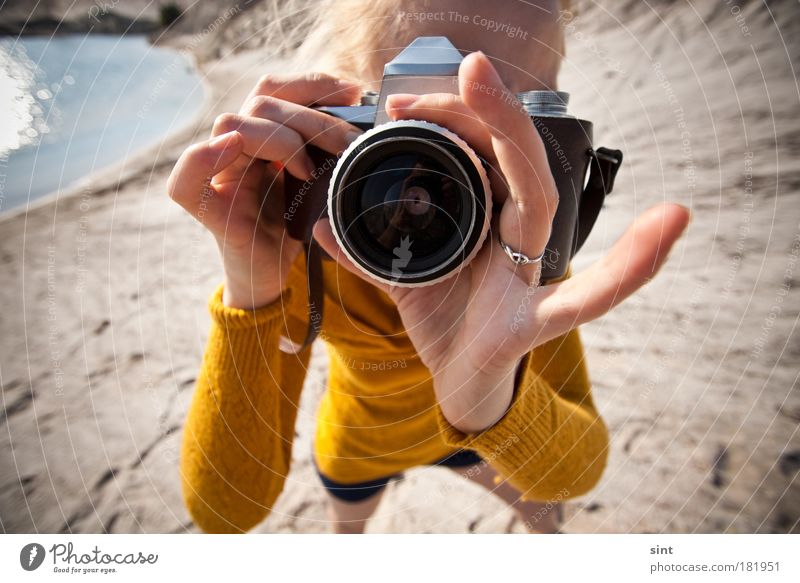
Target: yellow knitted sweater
378	415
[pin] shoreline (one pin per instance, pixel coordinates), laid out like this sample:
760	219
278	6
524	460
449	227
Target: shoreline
106	176
79	17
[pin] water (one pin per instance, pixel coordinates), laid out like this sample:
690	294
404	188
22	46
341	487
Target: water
74	104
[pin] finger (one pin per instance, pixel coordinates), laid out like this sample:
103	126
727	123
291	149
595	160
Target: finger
633	261
521	155
309	89
318	128
323	233
449	111
189	182
267	140
302	89
444	109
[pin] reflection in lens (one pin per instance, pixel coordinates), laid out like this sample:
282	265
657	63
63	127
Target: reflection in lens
410	196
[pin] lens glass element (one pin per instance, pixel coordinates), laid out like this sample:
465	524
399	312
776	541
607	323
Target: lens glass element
409	205
410	196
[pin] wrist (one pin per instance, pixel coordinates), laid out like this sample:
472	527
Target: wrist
247	294
247	286
478	400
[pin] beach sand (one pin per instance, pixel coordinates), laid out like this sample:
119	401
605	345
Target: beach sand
105	288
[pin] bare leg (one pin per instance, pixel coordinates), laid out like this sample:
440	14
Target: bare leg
351	517
538	517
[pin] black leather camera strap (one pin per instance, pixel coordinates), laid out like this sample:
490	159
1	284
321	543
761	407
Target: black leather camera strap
316	291
315	298
602	171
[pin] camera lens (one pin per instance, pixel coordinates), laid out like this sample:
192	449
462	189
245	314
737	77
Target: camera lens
408	203
410	195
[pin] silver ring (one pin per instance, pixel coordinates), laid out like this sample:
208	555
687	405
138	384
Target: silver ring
520	258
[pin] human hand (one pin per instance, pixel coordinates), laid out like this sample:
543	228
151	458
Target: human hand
229	185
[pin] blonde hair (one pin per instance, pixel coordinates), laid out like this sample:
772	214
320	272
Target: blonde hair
354	38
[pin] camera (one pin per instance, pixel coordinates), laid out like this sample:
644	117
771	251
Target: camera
409	201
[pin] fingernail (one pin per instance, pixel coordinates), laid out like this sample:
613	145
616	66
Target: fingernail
225	140
352	135
401	100
496	80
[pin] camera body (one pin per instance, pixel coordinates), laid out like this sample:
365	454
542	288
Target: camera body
409	201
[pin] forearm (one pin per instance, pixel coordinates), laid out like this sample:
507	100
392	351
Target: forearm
234	457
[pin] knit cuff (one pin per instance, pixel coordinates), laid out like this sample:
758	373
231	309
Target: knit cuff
243	343
517	436
519	446
238	318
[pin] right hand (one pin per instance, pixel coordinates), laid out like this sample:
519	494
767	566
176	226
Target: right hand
229	185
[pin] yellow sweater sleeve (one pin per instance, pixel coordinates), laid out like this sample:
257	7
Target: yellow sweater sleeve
551	444
238	435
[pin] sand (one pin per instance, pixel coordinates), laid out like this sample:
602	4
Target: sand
104	308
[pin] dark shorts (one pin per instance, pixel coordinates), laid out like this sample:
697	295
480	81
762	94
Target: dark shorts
363	490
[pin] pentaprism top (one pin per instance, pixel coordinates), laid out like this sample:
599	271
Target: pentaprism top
426	55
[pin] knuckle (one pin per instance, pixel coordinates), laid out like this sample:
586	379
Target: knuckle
194	153
547	188
260	106
199	156
266	84
324	124
552	194
317	77
172	190
551	197
448	100
437	101
226	122
173	182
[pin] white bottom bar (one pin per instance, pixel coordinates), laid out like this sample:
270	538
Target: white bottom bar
401	558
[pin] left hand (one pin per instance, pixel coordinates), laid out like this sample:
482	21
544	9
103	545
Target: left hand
472	330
